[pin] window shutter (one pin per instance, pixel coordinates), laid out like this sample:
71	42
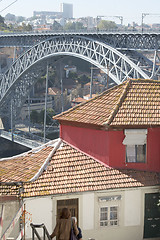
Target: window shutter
135	137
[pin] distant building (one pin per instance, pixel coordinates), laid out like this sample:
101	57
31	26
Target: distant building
69	69
105	167
67	10
77	101
43	14
96	87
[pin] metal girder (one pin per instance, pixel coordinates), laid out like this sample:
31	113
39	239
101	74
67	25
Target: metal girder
20	77
143	62
118	40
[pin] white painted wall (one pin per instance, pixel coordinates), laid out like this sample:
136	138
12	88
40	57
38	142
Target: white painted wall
131	214
88	211
41	210
132	209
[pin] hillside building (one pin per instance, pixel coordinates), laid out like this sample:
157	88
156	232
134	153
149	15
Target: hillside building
105	167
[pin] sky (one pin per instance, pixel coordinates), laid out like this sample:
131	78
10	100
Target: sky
130	10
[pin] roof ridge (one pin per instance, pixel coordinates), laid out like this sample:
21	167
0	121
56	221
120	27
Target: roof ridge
119	103
45	164
145	80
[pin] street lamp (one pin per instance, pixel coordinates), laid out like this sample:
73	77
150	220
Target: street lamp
143	16
146	14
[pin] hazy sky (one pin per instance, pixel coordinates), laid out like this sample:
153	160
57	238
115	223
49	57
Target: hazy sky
131	10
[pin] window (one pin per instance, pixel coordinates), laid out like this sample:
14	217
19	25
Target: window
135	141
109	207
108	216
136	153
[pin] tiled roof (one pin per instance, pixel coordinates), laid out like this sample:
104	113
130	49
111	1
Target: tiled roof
141	105
24	167
71	171
96	110
78	100
134	102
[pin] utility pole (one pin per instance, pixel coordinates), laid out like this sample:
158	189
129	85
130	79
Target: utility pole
107	75
91	82
146	14
12	119
29	114
45	110
143	16
14	54
62	99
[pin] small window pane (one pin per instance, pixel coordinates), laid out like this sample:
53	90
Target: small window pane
113	223
130	153
113	213
104	216
136	153
141	153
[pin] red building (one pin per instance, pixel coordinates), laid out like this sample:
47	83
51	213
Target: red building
104	168
120	127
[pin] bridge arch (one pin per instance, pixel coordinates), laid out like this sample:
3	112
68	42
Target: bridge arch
17	80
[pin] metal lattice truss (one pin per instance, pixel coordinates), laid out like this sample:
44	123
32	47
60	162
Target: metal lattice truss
148	66
119	40
132	41
23	72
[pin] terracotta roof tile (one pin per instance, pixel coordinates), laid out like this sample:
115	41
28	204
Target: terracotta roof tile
70	170
96	110
23	167
134	102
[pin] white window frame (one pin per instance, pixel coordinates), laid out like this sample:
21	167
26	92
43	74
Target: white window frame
109	221
108	202
136	154
134	138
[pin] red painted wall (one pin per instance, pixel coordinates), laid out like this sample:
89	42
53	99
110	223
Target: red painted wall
93	142
107	147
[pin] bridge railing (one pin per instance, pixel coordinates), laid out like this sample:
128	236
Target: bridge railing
23	141
80	31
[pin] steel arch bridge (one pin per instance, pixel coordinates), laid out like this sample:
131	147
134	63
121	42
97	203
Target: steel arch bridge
17	81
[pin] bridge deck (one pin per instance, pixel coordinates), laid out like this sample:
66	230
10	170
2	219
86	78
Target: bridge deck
20	140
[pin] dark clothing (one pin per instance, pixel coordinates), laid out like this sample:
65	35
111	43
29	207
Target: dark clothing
63	229
79	236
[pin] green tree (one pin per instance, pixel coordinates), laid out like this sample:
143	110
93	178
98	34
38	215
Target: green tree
50	114
106	25
73	26
1	20
38	117
72	75
10	17
20	19
34	116
26	27
3	26
83	79
56	26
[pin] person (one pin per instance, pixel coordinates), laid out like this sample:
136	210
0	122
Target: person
62	229
79	236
